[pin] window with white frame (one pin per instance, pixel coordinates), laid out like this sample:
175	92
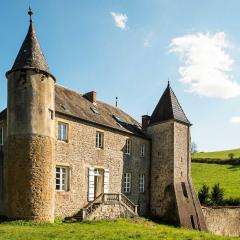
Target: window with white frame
141	183
62	131
99	139
128	146
142	149
1	135
127	183
62	178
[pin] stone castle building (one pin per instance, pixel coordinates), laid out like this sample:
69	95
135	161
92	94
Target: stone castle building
68	154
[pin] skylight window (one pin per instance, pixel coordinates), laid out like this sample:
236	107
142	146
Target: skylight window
94	110
117	118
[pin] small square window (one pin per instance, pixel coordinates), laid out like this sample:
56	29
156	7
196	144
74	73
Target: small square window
142	149
1	135
62	132
99	139
128	146
127	183
62	175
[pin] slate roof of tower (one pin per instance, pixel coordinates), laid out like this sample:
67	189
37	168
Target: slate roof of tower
168	108
30	54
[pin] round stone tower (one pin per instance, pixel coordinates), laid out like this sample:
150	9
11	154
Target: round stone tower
31	132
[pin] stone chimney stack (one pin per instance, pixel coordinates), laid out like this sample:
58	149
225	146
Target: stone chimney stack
91	96
145	121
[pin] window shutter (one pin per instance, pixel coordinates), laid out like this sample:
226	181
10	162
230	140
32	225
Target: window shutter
90	184
106	181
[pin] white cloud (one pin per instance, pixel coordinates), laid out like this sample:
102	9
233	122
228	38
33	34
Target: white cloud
120	20
146	43
206	65
235	120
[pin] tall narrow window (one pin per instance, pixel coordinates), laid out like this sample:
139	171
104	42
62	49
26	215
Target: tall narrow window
142	149
1	136
184	189
62	178
50	114
99	140
141	183
128	146
127	182
62	132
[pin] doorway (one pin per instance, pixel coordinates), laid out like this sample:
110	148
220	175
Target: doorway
98	182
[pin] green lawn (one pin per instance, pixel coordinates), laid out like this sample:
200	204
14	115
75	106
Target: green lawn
227	175
217	155
120	229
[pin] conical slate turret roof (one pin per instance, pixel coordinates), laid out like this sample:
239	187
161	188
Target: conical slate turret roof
30	54
168	108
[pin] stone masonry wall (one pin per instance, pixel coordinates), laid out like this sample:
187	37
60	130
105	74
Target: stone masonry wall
106	211
223	220
30	178
80	153
163	202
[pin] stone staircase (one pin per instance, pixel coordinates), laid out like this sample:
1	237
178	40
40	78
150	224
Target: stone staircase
108	206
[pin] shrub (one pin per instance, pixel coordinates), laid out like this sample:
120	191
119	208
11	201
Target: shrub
217	195
203	194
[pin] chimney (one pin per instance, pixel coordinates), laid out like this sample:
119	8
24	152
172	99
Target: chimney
145	121
91	96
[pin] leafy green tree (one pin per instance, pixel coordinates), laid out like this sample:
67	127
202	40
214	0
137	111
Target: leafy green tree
203	194
217	194
231	155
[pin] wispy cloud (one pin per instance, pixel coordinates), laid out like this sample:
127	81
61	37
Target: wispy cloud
146	43
235	120
120	20
206	64
148	40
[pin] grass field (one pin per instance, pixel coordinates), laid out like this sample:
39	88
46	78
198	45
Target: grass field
218	155
116	230
227	175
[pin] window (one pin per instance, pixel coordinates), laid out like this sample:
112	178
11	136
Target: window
141	183
50	114
99	140
62	178
127	182
142	149
184	189
128	147
1	136
62	132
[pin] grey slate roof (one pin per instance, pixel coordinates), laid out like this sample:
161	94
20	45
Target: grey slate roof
74	104
30	54
168	108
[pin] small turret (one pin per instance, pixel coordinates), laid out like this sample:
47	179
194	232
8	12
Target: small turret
173	197
31	132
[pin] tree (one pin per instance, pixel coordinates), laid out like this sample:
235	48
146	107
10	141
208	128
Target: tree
203	194
231	155
194	147
217	194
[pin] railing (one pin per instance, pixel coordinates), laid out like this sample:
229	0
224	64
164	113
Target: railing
109	198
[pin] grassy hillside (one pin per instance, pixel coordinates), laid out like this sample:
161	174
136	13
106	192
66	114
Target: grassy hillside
120	229
227	175
217	155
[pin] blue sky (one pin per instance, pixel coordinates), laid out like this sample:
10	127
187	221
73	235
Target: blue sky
129	49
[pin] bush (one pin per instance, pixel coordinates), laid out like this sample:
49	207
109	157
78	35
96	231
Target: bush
203	194
217	195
